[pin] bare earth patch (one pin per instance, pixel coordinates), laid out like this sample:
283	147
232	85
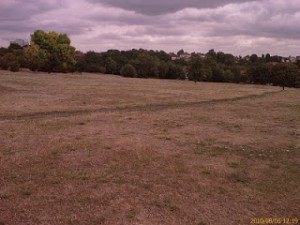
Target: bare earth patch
97	149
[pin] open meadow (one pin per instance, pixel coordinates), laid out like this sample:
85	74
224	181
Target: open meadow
88	149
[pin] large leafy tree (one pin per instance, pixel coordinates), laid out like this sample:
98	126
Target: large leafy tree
54	51
286	74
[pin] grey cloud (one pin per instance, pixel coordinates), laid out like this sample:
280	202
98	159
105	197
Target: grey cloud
159	7
256	30
122	19
252	19
18	19
194	25
27	27
266	23
19	10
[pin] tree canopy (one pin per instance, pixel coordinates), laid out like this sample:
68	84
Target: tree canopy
52	52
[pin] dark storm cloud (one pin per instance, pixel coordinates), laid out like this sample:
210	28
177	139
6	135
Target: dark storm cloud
158	7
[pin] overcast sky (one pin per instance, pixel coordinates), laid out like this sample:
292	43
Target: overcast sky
240	27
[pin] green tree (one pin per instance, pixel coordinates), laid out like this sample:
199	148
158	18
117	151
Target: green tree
175	71
10	61
110	66
196	69
217	74
14	66
228	76
254	58
128	70
162	69
146	65
237	75
58	54
180	52
211	54
259	74
206	73
36	57
286	74
163	56
14	46
268	58
90	62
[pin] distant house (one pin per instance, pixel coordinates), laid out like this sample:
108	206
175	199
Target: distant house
185	56
292	59
201	55
173	56
20	42
297	58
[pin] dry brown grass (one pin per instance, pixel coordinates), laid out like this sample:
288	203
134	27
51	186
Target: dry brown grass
96	149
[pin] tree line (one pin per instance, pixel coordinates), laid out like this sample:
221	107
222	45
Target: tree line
52	52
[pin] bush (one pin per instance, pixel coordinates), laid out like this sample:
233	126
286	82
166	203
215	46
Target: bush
10	61
14	66
128	70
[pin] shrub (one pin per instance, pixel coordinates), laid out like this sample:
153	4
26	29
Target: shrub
14	66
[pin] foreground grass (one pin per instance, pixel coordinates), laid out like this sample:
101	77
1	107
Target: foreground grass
223	162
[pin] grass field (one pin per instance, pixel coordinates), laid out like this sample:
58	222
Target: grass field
96	149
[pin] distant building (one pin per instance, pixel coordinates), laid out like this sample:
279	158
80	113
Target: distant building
20	42
173	56
185	56
201	55
292	59
297	58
